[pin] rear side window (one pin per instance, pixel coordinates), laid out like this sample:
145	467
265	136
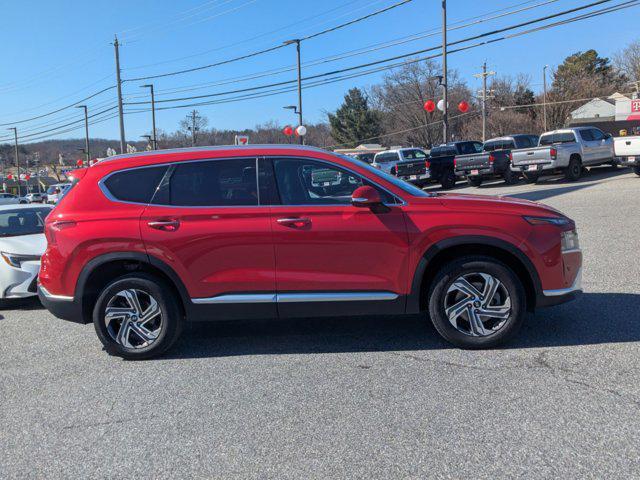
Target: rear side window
551	138
387	157
137	185
211	183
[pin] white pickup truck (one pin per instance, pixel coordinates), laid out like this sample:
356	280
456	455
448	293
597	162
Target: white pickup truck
627	150
567	150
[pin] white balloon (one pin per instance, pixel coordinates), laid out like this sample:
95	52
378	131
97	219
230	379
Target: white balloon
440	105
301	131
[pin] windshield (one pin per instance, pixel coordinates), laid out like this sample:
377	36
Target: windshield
24	221
562	137
401	184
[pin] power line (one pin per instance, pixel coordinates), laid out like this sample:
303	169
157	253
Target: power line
270	49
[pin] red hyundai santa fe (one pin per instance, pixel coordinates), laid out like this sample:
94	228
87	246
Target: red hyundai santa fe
143	243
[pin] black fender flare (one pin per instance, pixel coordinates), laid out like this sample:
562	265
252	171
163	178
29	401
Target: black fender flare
413	301
135	257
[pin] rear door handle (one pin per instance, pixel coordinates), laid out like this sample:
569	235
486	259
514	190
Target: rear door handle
165	225
297	222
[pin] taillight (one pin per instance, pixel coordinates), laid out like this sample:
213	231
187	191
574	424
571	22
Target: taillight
427	164
51	229
554	153
454	162
491	158
510	156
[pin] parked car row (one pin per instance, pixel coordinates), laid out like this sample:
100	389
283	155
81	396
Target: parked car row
567	151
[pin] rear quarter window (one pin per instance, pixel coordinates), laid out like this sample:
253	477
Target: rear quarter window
137	185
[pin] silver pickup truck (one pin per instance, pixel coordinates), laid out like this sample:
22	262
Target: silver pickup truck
567	150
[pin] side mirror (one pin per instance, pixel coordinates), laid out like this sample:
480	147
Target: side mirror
365	197
607	136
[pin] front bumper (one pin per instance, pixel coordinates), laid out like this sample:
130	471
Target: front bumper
561	295
63	307
19	282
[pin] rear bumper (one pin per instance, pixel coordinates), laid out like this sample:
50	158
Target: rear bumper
629	161
539	167
418	178
61	306
476	172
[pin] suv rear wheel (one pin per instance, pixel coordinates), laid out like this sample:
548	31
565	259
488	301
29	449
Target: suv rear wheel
136	317
476	302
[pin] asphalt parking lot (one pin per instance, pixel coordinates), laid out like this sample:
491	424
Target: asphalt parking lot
363	397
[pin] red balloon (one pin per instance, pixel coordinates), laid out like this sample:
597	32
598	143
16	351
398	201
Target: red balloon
79	162
429	106
288	130
463	106
10	177
27	177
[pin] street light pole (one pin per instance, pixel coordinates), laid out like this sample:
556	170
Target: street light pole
86	132
299	65
116	45
445	116
484	76
544	98
153	115
15	136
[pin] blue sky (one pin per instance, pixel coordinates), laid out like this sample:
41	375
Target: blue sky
54	55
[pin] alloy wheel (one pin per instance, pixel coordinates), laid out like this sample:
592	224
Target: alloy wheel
477	304
133	318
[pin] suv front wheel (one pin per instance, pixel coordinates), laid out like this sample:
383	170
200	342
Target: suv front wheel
136	317
476	302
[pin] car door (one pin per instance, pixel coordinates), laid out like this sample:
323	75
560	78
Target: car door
590	146
602	144
332	257
207	223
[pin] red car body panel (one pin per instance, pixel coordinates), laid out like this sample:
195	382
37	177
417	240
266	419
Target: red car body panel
222	250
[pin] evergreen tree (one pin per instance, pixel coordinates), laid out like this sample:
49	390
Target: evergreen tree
354	122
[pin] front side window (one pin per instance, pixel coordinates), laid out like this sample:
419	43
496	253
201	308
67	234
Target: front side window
210	183
25	221
307	182
137	185
597	134
586	135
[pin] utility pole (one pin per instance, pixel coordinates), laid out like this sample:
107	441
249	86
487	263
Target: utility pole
116	45
544	98
153	115
297	43
445	116
484	76
15	136
194	117
86	133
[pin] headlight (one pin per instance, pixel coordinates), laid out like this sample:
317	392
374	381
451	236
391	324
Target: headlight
15	260
559	221
570	241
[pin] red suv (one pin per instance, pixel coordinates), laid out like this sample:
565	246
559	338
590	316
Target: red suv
143	243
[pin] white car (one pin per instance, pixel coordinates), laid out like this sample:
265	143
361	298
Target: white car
22	243
34	197
57	191
11	199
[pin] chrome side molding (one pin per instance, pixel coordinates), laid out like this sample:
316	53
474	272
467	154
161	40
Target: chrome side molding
576	287
297	297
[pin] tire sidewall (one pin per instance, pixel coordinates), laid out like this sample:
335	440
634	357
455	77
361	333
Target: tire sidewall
448	180
479	264
168	307
574	170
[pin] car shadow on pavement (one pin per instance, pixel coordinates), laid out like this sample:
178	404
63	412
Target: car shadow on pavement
537	195
594	318
28	303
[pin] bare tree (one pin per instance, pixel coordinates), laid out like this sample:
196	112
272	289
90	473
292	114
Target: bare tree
627	61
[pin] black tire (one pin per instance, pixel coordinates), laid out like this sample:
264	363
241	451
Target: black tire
531	177
448	180
636	170
474	181
574	171
469	265
171	315
510	177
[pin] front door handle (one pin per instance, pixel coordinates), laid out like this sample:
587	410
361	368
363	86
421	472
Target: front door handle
165	225
297	222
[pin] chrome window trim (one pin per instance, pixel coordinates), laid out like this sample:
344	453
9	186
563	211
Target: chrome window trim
105	190
296	297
